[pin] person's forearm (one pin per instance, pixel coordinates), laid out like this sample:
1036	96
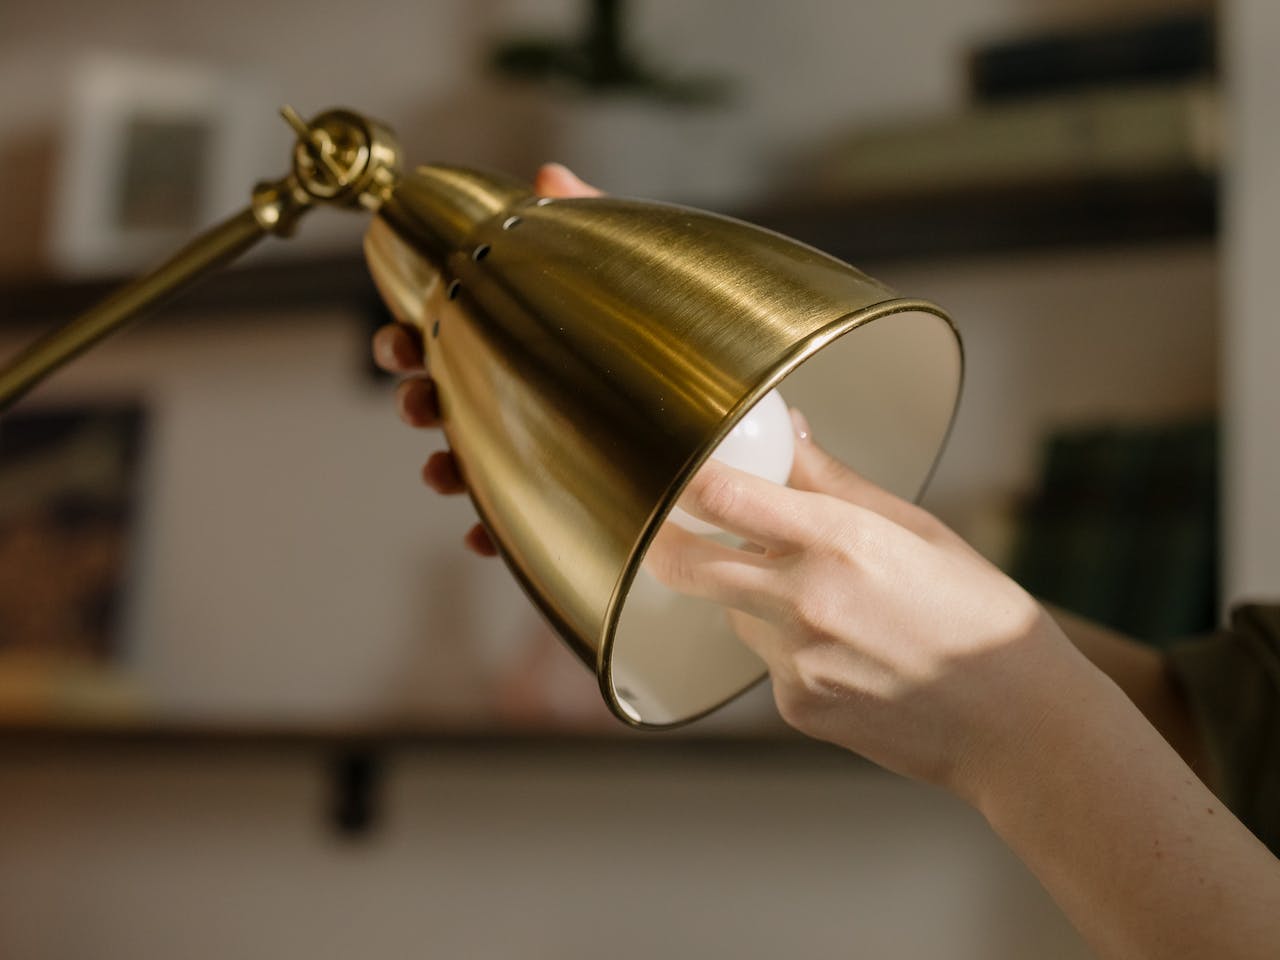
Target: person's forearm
1138	853
1142	673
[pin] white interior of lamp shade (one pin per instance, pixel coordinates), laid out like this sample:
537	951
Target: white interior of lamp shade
881	399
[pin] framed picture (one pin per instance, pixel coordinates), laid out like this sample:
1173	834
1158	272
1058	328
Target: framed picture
68	500
151	153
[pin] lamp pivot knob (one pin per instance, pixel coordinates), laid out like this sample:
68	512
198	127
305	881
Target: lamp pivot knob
344	158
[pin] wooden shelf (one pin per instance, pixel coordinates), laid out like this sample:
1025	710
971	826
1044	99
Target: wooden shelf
99	736
357	761
1079	215
288	286
1055	217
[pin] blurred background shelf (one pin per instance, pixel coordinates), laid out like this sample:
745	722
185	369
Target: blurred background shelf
287	575
357	759
598	745
284	287
1066	216
1059	217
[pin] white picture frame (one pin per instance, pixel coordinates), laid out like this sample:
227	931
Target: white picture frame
152	152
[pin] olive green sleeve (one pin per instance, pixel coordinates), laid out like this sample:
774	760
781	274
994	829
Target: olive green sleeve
1232	683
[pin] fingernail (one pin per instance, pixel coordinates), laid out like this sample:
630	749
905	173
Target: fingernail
801	423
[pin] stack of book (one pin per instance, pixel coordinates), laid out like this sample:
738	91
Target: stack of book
1126	102
1124	528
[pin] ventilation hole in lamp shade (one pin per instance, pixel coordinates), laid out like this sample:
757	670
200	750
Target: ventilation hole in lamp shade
452	291
510	222
480	252
435	329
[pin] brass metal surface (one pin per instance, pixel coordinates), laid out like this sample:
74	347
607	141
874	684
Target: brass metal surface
219	246
344	158
590	353
340	158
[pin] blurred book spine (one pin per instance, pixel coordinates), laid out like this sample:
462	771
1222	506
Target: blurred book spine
1123	133
1123	529
1163	49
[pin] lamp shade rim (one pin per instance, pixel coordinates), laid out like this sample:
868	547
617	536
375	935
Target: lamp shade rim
787	365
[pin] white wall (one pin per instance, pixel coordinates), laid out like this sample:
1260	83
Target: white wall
800	76
352	598
1252	335
492	855
292	566
1093	337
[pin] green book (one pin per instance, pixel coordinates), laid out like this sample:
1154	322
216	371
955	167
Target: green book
1123	528
1173	588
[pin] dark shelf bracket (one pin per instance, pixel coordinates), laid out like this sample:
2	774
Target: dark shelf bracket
358	779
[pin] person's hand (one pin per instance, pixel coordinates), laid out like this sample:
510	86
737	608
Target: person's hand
882	630
397	348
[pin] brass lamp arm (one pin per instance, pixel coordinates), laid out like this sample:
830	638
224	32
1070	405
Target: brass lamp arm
210	250
340	158
594	352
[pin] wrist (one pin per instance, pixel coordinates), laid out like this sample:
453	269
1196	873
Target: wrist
1133	847
1047	709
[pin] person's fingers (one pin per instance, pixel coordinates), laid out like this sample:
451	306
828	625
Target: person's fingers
817	471
775	517
479	541
417	402
397	348
441	474
559	182
701	567
761	637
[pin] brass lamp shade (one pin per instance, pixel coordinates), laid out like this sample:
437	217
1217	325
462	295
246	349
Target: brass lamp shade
592	353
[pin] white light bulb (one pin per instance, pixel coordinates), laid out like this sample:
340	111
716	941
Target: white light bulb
763	442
